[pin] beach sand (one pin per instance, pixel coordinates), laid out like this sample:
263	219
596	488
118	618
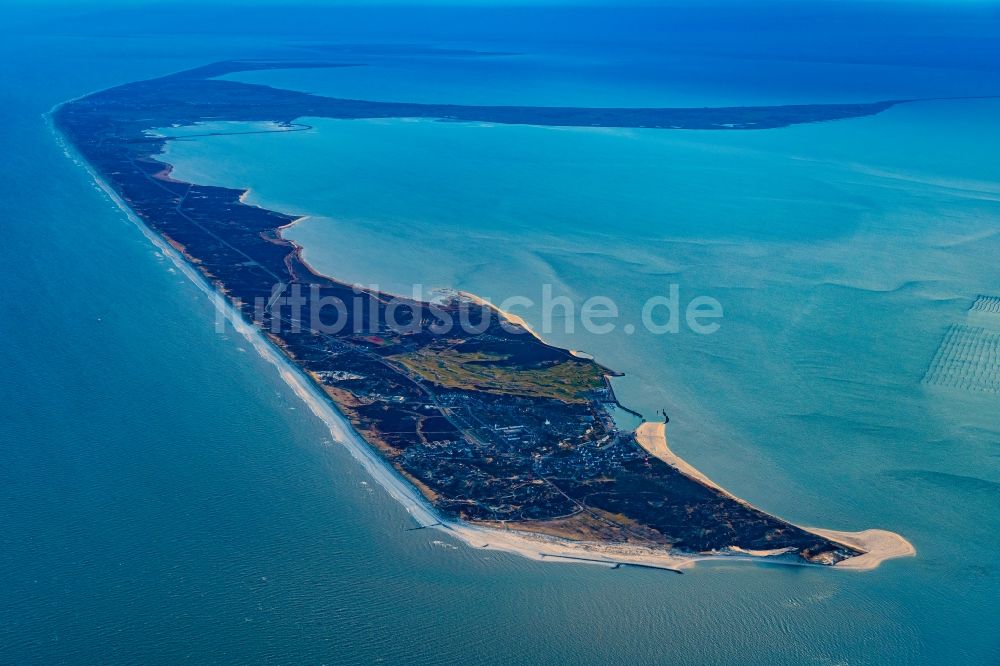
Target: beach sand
878	545
512	318
652	436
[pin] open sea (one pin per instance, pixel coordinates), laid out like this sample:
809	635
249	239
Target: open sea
165	498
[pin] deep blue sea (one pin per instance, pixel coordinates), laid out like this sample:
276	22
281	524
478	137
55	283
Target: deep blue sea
165	498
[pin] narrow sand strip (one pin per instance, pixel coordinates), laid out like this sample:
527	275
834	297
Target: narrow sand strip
652	436
878	545
554	549
512	318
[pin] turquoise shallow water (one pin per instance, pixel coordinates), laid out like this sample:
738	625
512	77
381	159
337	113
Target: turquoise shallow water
166	499
840	252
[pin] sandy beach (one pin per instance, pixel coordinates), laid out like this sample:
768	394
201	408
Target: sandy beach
879	545
512	318
652	436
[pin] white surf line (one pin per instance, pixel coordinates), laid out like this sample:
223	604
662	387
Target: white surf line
397	487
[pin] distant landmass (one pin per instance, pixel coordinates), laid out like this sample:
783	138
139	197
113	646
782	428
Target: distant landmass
493	426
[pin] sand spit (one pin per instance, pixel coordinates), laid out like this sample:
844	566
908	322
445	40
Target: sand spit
879	545
652	436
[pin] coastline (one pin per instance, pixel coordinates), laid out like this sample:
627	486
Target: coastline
397	487
532	546
510	317
878	545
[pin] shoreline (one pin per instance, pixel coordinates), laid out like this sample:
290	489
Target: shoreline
530	545
512	318
877	545
397	487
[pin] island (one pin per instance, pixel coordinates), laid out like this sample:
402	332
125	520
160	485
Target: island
504	439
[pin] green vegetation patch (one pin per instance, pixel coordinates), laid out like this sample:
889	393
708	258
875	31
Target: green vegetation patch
568	380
